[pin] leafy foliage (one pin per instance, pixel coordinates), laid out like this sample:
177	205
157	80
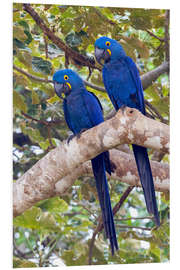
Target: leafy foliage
59	231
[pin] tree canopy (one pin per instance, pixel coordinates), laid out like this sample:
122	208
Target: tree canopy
66	229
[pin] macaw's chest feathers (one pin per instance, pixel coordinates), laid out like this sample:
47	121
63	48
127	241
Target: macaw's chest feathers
82	111
120	84
74	107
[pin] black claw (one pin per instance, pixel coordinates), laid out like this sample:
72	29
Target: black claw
70	138
123	107
79	134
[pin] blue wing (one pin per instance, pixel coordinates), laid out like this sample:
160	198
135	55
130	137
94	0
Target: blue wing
137	81
94	108
123	84
67	117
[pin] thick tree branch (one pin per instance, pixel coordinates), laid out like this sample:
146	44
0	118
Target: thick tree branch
126	172
127	126
56	40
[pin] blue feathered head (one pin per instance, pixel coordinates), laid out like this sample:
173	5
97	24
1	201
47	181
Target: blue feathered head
66	81
108	49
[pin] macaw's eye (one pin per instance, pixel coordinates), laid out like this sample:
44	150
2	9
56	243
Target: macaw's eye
66	77
108	43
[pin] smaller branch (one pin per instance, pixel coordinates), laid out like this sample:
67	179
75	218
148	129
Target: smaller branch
56	40
86	208
66	60
44	122
49	137
31	76
116	207
89	75
133	227
15	10
126	219
103	17
153	35
100	224
158	115
46	46
167	15
148	78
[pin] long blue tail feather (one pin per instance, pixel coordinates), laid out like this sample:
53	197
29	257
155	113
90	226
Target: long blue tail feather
98	165
145	174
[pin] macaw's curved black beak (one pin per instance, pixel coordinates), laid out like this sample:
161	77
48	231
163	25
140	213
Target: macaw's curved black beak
61	88
102	56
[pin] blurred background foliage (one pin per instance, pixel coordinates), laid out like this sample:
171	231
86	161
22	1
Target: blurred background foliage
59	231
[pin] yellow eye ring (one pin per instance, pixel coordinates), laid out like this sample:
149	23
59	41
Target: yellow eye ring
108	43
66	77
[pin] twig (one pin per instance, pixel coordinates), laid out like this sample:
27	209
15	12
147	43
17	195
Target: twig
103	17
133	227
153	35
49	138
89	75
167	34
44	122
156	112
100	225
31	76
46	46
125	219
56	40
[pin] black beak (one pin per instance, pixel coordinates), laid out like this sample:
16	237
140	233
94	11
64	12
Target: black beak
101	56
61	88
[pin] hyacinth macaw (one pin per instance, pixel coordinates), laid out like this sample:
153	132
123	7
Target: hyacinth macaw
82	110
122	82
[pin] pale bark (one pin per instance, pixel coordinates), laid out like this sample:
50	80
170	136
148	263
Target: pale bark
127	126
126	172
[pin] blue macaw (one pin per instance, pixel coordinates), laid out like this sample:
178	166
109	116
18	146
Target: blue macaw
122	82
82	110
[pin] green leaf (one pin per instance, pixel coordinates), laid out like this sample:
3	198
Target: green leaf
137	44
18	263
54	10
73	39
34	218
54	205
18	44
18	102
35	98
34	134
53	99
44	144
25	57
41	65
24	24
20	80
18	33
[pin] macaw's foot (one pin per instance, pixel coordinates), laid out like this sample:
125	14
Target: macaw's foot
70	138
123	107
79	134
